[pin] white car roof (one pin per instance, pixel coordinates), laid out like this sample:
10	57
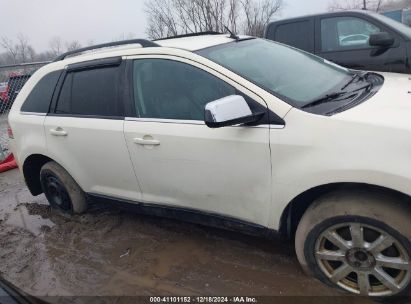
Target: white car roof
196	43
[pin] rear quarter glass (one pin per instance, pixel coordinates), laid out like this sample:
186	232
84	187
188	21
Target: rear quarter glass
39	99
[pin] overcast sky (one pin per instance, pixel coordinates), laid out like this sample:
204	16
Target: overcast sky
94	20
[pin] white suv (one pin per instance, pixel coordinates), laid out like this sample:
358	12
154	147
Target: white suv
236	132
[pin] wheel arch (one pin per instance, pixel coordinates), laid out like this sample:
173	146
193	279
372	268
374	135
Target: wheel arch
295	209
31	172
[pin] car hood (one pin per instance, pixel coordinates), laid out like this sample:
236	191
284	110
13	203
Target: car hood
391	105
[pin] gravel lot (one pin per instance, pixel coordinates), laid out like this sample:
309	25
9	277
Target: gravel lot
109	252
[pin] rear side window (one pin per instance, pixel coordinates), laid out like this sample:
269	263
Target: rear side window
92	92
296	34
40	97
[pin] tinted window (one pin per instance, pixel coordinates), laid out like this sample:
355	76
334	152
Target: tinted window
40	97
346	33
297	34
91	92
172	90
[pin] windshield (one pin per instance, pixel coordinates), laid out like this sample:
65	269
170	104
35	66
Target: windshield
295	76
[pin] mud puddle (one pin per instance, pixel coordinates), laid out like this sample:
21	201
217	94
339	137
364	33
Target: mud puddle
27	217
109	252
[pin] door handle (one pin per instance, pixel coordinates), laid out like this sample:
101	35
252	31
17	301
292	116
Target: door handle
58	132
146	142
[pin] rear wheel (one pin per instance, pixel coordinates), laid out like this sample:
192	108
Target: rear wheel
61	190
358	242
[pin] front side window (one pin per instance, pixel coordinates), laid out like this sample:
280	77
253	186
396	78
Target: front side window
295	76
91	92
346	33
167	89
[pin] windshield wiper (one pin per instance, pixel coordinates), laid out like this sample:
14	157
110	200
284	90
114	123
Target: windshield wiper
333	96
354	77
324	99
350	82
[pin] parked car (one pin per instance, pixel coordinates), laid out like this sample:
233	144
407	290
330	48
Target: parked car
359	40
3	86
13	86
3	91
231	131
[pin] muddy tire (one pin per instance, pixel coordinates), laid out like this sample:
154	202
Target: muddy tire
61	189
359	242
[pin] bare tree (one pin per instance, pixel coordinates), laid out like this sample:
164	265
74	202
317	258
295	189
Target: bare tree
56	46
25	51
161	21
19	51
11	48
172	17
377	5
31	54
258	15
73	45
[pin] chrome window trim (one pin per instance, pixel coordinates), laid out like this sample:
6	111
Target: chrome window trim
169	121
193	122
173	121
277	126
33	113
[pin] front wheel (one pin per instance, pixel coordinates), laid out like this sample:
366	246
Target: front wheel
358	242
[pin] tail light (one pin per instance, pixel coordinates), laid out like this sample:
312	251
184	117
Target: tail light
10	132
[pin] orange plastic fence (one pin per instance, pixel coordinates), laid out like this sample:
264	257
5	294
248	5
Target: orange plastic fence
8	164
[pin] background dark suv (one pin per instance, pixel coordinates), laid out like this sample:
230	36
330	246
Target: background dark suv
355	39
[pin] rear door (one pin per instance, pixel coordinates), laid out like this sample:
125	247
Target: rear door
84	129
343	39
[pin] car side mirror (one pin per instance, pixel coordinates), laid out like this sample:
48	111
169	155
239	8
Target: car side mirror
382	39
229	111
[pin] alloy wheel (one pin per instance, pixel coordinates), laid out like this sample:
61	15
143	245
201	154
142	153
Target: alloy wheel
363	259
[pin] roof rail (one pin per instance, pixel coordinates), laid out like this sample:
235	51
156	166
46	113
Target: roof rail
190	35
144	43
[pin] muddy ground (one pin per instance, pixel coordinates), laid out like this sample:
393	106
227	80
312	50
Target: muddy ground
109	252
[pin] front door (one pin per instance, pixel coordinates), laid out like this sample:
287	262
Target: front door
178	160
345	41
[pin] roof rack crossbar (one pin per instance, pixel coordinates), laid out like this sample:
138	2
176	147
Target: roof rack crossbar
143	42
190	35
